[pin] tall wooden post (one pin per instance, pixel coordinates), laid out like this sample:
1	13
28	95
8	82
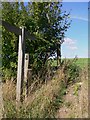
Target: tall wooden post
20	70
22	32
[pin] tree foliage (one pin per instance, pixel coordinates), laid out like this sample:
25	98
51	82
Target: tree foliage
45	20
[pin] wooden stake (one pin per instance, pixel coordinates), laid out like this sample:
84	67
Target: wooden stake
26	75
20	70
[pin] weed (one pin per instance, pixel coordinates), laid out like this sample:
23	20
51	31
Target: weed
76	89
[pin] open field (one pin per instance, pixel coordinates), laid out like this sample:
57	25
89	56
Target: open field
82	62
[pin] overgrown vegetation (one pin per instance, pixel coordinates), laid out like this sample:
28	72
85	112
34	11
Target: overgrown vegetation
71	70
46	100
46	21
48	82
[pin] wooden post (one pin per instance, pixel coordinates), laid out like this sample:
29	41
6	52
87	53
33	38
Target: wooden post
30	80
26	75
22	32
20	69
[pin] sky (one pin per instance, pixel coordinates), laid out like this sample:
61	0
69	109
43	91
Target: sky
76	40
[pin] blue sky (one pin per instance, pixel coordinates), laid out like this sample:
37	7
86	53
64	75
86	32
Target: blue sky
76	41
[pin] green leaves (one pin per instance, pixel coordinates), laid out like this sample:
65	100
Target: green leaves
45	20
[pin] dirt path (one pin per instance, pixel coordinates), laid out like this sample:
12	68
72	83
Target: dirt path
76	100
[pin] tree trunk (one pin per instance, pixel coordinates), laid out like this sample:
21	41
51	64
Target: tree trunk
58	54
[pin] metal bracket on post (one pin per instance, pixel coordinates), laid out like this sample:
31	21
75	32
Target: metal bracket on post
20	69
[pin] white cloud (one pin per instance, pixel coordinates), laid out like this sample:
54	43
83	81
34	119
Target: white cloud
73	47
70	43
80	18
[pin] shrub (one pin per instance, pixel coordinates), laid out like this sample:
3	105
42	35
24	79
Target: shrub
7	74
71	70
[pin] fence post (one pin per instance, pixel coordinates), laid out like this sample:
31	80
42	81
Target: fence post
20	69
26	75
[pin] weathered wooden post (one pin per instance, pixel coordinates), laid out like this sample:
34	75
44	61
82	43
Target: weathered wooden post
22	32
20	70
26	75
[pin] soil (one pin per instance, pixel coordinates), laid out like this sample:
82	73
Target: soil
76	100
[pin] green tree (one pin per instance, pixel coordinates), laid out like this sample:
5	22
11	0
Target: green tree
9	40
45	20
51	25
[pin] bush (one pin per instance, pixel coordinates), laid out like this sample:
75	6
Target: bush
42	71
8	74
71	70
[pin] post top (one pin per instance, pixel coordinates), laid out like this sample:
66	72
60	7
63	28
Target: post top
21	27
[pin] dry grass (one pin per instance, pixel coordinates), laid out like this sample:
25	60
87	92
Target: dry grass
45	101
39	103
9	89
9	97
43	97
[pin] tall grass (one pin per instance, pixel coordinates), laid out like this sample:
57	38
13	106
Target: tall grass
44	101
